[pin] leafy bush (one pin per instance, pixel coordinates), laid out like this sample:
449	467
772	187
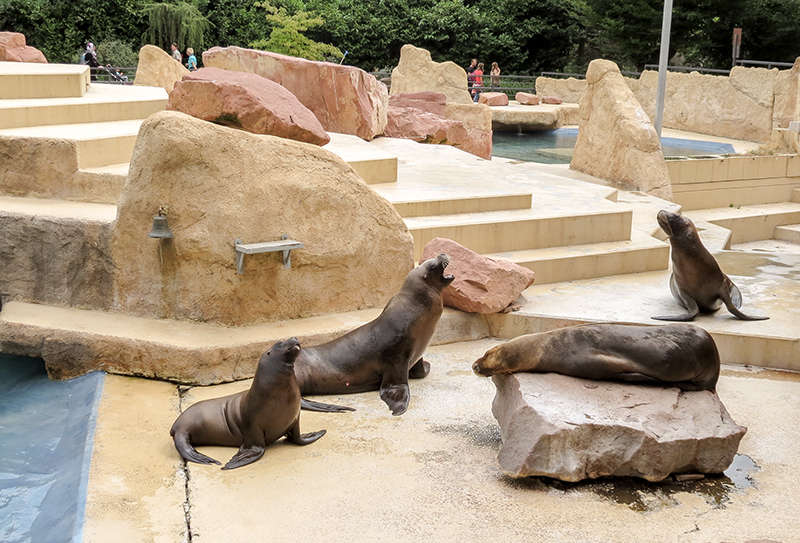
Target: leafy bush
117	53
287	35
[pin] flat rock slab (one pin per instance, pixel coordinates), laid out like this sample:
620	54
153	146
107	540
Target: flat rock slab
574	429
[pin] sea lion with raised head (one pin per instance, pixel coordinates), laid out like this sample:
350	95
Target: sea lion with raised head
681	355
697	282
250	419
384	353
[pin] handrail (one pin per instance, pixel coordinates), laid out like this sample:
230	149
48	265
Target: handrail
689	69
767	63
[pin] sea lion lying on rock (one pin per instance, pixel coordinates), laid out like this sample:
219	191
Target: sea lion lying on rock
681	355
696	282
384	353
251	419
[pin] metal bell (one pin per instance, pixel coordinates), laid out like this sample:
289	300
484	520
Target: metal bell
160	228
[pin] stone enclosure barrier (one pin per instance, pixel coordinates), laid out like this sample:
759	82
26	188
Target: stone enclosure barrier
746	105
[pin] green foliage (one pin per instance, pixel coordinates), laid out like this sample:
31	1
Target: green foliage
287	35
117	53
178	22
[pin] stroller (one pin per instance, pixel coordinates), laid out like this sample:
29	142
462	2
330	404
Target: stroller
116	75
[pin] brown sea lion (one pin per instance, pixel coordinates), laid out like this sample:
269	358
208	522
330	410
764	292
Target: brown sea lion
251	419
696	281
383	353
681	355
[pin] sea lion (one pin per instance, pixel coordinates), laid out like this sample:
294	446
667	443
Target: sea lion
682	355
385	352
250	419
696	281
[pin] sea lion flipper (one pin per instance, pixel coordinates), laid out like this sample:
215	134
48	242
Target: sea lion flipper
685	300
311	405
294	435
188	452
396	397
419	370
246	455
730	295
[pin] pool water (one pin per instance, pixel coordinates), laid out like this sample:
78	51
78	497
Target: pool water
46	436
555	146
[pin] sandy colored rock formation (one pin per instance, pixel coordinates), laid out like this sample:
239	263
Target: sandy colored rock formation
13	48
253	188
157	69
493	98
526	99
524	119
786	105
617	141
475	118
573	429
569	90
345	99
553	100
424	127
247	101
482	284
36	167
417	72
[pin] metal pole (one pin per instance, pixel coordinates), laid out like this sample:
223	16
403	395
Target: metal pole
662	64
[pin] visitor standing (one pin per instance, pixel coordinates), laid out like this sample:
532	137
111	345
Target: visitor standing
478	82
470	69
90	56
192	62
495	73
176	53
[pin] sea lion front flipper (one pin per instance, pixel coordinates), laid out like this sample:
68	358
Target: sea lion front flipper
394	386
294	435
311	405
730	295
685	300
419	370
246	455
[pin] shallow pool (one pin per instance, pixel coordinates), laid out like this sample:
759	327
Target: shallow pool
555	146
46	436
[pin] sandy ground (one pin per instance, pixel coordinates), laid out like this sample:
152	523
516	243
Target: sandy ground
430	475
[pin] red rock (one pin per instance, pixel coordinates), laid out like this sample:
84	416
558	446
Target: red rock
551	100
482	284
247	101
422	126
432	102
526	98
345	99
14	49
493	98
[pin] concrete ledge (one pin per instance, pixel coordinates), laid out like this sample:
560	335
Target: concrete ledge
34	80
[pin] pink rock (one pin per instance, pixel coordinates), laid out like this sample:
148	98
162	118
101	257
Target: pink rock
247	101
422	126
526	98
551	100
433	102
493	98
14	49
345	99
482	284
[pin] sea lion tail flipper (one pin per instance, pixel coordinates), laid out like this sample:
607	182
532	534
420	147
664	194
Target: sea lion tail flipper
731	296
311	405
686	301
188	452
246	455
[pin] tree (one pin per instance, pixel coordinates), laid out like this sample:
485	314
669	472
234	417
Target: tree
287	35
179	22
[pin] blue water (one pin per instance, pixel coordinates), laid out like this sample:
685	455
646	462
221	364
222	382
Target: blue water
46	436
555	146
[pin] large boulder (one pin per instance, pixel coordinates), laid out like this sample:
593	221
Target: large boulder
424	127
493	98
432	102
482	284
158	69
786	107
218	185
247	101
617	141
417	72
345	99
570	90
13	48
573	429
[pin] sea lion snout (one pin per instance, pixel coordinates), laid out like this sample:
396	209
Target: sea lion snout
434	270
663	218
487	364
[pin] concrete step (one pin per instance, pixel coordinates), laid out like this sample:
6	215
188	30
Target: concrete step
58	209
101	103
372	164
98	144
556	264
536	228
796	196
441	204
788	232
750	223
160	347
102	185
22	80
